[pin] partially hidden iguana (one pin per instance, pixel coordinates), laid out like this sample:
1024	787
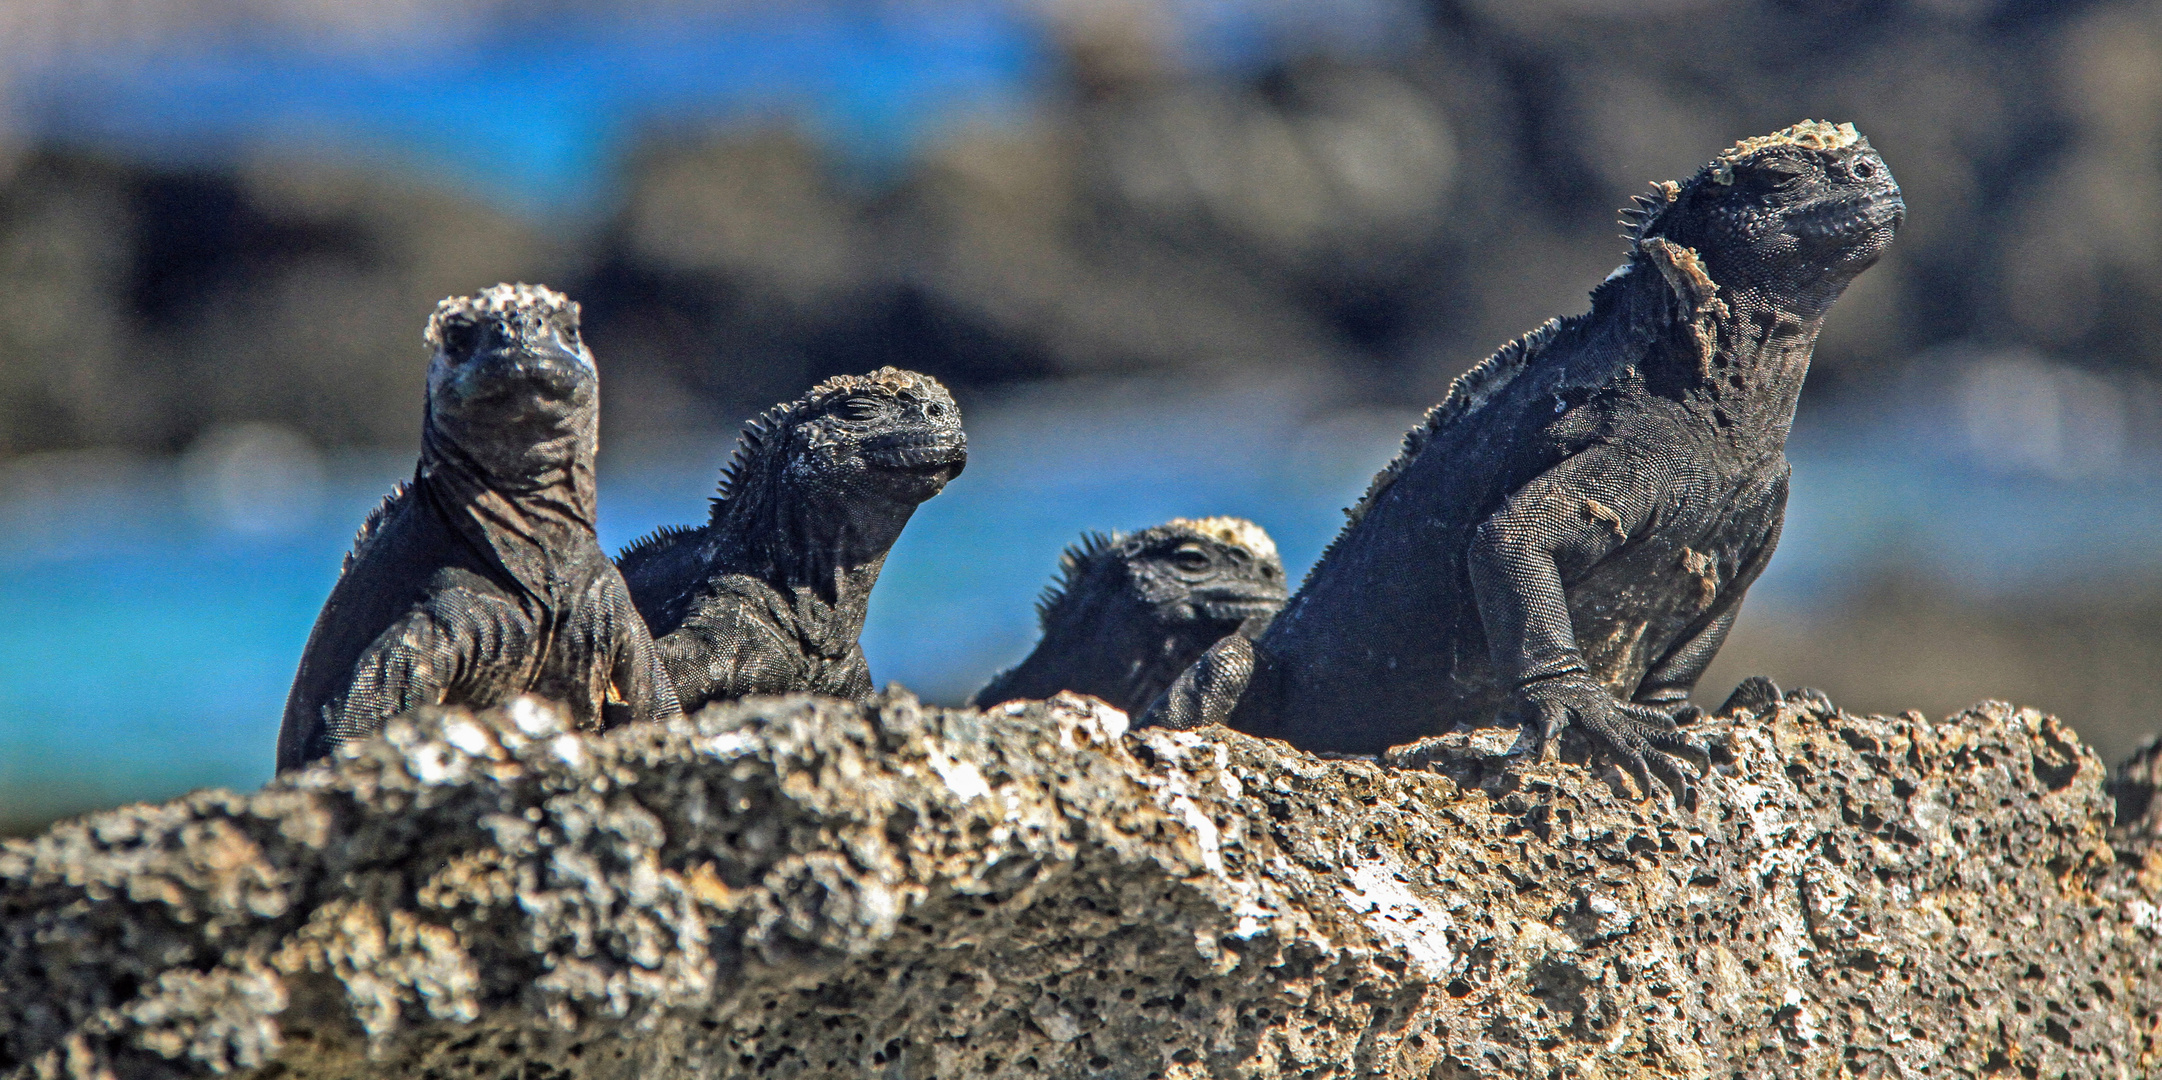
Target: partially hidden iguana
1565	540
769	596
1129	612
481	578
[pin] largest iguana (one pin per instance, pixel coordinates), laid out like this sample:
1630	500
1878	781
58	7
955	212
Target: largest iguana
481	579
1567	537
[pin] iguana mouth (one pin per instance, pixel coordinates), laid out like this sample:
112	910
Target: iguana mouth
1846	217
919	453
1237	604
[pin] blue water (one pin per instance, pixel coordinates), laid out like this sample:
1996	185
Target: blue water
534	111
146	644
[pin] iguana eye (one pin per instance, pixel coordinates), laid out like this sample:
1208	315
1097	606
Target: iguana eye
859	409
1190	557
460	337
1783	172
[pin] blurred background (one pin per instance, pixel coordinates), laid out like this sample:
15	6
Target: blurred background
1175	257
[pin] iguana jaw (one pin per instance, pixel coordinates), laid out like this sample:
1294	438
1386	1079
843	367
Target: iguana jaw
938	456
1233	604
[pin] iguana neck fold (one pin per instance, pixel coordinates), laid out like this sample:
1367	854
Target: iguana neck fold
522	486
1751	353
810	541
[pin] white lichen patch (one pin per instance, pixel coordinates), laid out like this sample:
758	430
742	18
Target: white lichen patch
1386	904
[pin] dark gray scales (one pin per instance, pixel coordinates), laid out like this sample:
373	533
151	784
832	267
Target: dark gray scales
769	596
1566	539
481	579
1129	612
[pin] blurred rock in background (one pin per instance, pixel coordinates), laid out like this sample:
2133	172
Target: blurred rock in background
1384	214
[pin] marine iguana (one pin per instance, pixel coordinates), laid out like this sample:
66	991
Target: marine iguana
1565	540
1129	613
481	578
770	594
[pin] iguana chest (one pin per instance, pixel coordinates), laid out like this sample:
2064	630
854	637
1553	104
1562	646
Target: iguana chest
1691	564
564	650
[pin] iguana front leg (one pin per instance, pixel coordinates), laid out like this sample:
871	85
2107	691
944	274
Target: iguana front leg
1209	690
638	684
725	655
428	657
1668	684
1554	529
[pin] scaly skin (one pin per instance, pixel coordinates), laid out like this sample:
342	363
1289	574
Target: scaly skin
1131	612
1567	538
769	596
481	579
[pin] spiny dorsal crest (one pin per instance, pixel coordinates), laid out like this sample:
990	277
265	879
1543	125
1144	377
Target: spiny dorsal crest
1235	531
1074	565
770	428
1639	220
646	547
373	522
500	302
1469	391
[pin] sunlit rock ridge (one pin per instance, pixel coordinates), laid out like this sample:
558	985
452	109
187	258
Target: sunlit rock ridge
800	887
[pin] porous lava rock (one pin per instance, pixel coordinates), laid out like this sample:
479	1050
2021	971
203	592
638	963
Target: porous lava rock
801	887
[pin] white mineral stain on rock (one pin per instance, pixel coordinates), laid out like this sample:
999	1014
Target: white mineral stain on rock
961	777
430	763
1611	918
467	736
1379	894
2144	915
1098	722
567	750
533	717
728	744
1205	835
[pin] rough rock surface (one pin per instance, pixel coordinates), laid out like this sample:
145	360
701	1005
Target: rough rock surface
801	887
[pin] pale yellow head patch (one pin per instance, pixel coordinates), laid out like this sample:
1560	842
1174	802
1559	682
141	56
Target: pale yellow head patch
497	301
1809	135
889	381
1236	531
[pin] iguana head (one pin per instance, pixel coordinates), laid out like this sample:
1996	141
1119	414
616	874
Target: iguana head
1795	214
511	384
889	437
1204	575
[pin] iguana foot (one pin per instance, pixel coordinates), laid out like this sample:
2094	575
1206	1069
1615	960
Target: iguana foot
1758	692
1643	740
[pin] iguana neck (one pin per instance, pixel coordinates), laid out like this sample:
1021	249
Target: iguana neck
1742	353
1094	612
824	551
521	510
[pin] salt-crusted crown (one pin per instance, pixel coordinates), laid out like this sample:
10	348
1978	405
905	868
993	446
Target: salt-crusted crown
1236	531
499	301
